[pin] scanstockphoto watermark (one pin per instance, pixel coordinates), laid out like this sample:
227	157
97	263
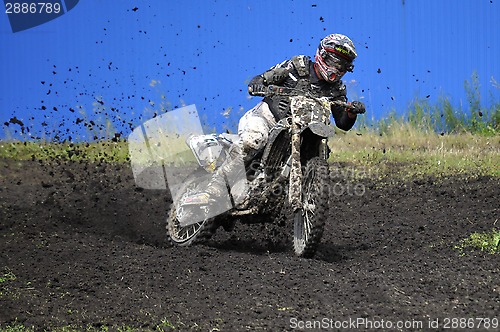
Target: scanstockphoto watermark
363	323
355	323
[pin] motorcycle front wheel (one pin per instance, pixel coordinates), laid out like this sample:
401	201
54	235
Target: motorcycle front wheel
309	221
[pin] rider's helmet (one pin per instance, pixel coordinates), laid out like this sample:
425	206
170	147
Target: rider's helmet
335	56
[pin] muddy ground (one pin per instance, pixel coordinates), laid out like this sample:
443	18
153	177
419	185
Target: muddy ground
81	246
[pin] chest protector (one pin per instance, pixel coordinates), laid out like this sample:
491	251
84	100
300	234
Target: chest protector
300	78
301	64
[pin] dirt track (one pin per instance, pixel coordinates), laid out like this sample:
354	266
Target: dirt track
89	249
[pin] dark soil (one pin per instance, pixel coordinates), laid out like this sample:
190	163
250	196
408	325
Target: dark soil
89	249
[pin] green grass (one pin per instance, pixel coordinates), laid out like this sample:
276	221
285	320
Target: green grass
7	275
103	151
408	153
403	152
6	289
16	328
488	242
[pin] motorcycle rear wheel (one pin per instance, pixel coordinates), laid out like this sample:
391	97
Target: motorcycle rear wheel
194	233
309	221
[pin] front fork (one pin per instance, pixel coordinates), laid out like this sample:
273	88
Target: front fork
295	184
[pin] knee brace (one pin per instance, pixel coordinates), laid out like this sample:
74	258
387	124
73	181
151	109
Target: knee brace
255	136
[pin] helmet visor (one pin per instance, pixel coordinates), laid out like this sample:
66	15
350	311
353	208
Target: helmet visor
339	64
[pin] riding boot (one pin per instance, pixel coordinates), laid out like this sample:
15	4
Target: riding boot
230	172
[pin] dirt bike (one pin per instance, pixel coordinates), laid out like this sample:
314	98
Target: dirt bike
291	173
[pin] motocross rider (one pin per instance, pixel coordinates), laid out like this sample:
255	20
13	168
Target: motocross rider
322	78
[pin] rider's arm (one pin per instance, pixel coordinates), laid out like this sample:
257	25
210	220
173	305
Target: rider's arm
276	75
343	118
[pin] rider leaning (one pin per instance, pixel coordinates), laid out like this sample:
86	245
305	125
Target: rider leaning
322	78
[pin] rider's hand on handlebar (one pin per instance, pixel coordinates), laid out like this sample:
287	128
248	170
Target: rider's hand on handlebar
356	107
257	90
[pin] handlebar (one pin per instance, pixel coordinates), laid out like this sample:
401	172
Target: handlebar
284	91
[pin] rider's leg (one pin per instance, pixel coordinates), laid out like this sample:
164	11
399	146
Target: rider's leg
253	130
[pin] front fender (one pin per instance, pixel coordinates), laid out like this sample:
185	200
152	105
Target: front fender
321	129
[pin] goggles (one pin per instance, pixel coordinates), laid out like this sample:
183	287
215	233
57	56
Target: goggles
340	64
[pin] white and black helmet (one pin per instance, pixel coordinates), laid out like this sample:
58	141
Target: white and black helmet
335	56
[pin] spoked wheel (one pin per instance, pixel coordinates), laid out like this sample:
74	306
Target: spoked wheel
198	232
309	222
